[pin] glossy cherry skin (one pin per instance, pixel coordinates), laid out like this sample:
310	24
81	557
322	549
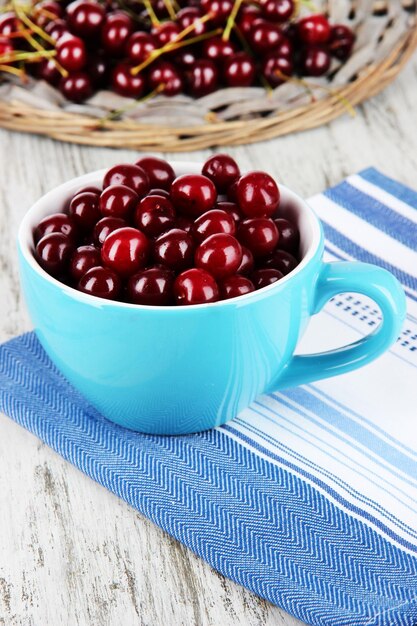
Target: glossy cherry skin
130	175
259	234
101	282
191	15
217	49
53	253
222	170
125	83
56	223
341	41
257	194
232	192
193	194
159	171
315	61
314	29
247	16
264	277
118	201
289	237
278	10
139	46
71	53
83	259
125	251
84	210
154	287
154	215
219	9
184	59
174	249
184	223
165	76
195	286
105	226
202	78
85	17
46	70
6	47
230	208
116	30
98	70
76	86
282	261
247	264
160	192
235	286
90	189
239	70
284	49
9	23
265	36
56	29
276	69
219	254
47	11
165	33
211	223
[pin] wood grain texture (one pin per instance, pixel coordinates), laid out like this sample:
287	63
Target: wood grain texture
70	552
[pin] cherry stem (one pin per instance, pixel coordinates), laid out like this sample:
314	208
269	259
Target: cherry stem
170	8
149	8
13	70
27	56
117	112
231	20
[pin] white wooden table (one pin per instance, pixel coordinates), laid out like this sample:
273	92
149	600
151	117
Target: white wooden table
71	552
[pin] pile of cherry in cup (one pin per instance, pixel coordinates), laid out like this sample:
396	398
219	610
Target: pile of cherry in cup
149	237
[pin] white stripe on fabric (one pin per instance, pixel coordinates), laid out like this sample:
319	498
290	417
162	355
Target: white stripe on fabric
383	196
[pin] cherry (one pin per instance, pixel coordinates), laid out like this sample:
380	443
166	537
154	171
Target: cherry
232	192
98	70
47	70
248	15
219	254
289	237
9	24
265	36
239	70
195	286
84	209
160	173
83	259
235	286
217	49
53	252
174	249
282	261
76	87
219	9
222	170
247	264
164	75
160	192
191	15
315	61
56	29
284	49
230	208
125	250
314	29
264	277
104	227
276	68
116	30
153	287
211	223
139	46
202	78
46	12
118	201
184	223
85	17
71	53
6	47
257	194
184	59
154	215
165	33
278	10
193	194
125	83
132	176
90	189
101	282
56	223
259	234
341	41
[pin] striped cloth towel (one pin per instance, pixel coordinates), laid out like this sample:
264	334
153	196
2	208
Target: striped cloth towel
309	497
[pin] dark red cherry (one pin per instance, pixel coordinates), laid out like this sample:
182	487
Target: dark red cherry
84	210
193	194
282	261
76	87
247	16
235	286
184	223
165	33
101	282
116	30
6	47
222	170
98	70
232	192
85	17
278	10
83	259
125	251
265	36
230	208
56	29
71	53
239	70
247	264
289	237
219	254
341	41
276	69
160	173
9	23
264	277
219	9
284	49
191	15
56	223
130	175
174	249
195	286
257	194
118	201
46	12
140	46
315	61
184	59
125	83
90	189
259	234
53	253
202	78
160	192
46	70
211	223
314	29
217	49
105	226
154	287
165	76
154	215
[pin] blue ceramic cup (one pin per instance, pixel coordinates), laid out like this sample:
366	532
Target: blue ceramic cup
175	370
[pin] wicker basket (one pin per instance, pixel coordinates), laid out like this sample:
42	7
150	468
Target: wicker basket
273	114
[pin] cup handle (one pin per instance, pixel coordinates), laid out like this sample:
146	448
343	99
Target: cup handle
363	278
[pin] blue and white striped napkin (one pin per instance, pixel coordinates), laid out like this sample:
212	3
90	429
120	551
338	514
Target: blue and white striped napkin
309	497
